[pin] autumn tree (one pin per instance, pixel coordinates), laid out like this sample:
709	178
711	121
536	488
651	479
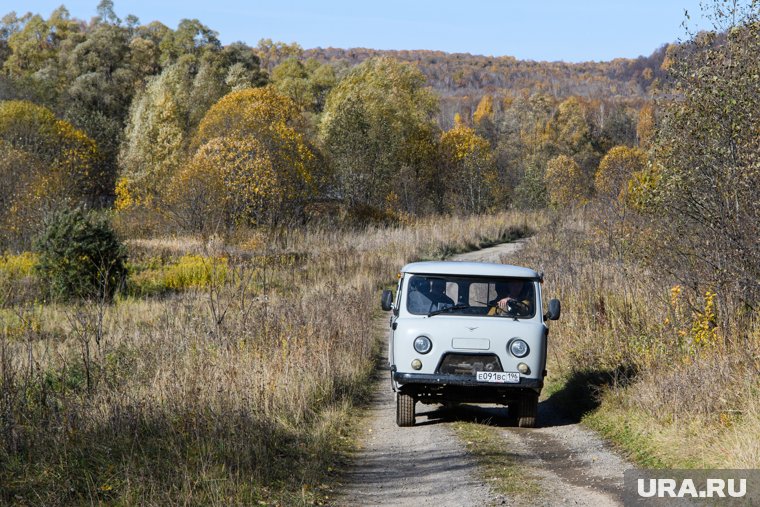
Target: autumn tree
616	169
612	210
523	150
49	164
99	86
252	165
191	38
568	130
18	172
291	79
156	134
229	181
272	52
616	126
468	171
565	182
378	128
322	77
483	119
306	84
34	44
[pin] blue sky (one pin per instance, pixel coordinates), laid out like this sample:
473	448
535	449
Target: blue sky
535	30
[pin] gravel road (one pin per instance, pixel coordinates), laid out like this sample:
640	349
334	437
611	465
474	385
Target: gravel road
428	465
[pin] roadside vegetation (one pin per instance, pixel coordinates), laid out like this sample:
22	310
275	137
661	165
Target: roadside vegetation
667	374
231	380
659	278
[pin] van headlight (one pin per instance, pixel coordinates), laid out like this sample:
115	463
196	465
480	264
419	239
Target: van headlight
518	348
422	344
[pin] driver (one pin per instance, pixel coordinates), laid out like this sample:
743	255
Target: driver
509	297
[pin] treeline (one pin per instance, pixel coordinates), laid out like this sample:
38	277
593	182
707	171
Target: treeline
462	74
180	132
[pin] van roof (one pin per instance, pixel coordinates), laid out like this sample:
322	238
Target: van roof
470	269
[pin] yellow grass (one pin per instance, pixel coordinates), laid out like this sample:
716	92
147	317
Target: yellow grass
235	391
646	357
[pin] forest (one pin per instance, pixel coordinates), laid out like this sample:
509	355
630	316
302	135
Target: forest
161	191
132	109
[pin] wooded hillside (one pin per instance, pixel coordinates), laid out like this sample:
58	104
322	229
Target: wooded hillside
463	74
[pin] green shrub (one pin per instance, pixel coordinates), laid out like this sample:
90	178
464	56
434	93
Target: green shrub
80	256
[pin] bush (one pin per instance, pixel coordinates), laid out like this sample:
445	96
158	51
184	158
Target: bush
80	256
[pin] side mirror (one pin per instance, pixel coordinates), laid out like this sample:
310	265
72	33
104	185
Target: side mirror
555	309
386	302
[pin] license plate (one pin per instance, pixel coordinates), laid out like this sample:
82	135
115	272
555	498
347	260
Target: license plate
499	377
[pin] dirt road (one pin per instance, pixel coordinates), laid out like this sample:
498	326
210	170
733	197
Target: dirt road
428	465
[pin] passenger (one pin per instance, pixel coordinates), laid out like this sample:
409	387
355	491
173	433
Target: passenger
428	295
420	299
439	296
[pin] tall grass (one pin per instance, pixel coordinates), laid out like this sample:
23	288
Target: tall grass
234	391
659	369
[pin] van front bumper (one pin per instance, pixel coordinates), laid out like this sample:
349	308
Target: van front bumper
462	380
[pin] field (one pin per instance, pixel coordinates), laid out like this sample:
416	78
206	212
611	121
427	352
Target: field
228	376
231	374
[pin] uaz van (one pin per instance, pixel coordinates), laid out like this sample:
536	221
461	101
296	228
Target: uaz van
468	332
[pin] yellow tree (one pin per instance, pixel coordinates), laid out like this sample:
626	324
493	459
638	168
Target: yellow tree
620	166
251	164
568	130
18	169
229	181
379	130
484	111
565	182
483	119
616	169
46	163
470	172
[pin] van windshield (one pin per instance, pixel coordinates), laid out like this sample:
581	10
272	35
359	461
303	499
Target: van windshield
457	295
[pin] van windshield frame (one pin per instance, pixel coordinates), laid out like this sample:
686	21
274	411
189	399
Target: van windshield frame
476	296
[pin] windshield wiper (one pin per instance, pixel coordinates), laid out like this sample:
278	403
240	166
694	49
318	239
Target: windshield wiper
448	309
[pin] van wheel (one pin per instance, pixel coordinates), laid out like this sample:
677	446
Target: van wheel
527	410
405	409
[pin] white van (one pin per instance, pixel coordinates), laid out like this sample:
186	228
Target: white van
468	332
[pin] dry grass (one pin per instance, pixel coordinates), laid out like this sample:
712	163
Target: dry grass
660	372
232	393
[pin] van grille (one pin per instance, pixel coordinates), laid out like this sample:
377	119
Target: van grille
468	364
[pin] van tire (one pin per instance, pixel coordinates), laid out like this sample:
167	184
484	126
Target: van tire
527	410
405	409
